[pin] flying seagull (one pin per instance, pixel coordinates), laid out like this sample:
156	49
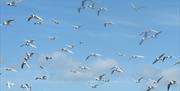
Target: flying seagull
29	43
139	80
8	22
51	37
121	54
116	69
24	63
94	86
67	50
41	78
100	78
33	16
136	8
135	57
93	55
26	86
158	80
76	27
10	69
159	58
83	67
178	62
12	3
101	10
48	58
150	88
56	21
9	84
172	82
108	23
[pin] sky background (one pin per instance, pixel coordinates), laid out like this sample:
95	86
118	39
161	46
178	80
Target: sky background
122	36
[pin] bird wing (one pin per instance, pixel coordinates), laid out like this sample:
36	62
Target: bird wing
142	40
34	46
160	79
30	18
155	61
168	87
88	57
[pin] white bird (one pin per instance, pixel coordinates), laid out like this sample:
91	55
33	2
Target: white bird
101	10
150	88
51	37
83	67
29	43
162	58
67	50
108	23
158	80
48	58
94	85
93	55
76	27
172	82
41	78
75	71
25	63
33	16
29	55
121	54
12	3
38	23
9	84
26	86
178	62
100	78
116	69
70	46
56	21
139	80
9	69
135	57
136	8
8	22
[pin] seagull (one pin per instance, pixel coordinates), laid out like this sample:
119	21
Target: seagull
24	63
93	55
136	8
29	55
29	43
51	37
10	69
139	80
94	86
108	23
100	78
70	46
116	69
67	50
9	84
83	67
38	23
178	62
121	54
8	22
156	34
162	58
12	3
172	82
56	21
33	16
83	3
26	86
48	58
101	10
135	57
158	80
75	71
76	27
150	88
159	58
41	78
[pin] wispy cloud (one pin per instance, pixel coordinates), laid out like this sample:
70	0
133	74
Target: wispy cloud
60	67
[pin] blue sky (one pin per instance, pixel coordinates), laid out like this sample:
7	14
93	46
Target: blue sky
122	36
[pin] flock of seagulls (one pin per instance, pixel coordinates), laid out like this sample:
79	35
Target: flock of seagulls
86	4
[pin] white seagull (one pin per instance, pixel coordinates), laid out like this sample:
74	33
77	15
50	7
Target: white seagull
100	78
116	69
135	57
172	82
41	78
56	21
101	10
12	3
25	63
9	84
26	86
93	55
51	37
108	23
76	27
136	8
33	16
8	22
9	69
139	80
67	50
29	43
